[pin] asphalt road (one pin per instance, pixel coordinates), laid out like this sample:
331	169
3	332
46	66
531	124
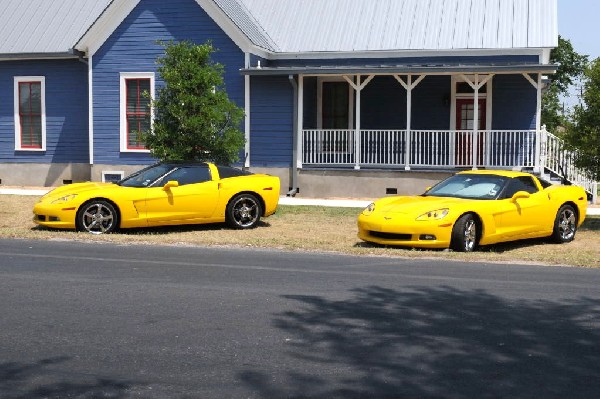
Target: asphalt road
98	320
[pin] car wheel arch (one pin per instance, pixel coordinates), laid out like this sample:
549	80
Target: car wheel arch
117	209
249	192
478	220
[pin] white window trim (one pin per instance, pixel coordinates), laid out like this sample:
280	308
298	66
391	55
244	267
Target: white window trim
123	106
112	172
320	81
22	79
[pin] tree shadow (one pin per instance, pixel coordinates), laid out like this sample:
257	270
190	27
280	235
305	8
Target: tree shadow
437	343
39	380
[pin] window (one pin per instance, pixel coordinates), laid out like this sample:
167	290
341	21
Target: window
30	113
523	183
137	92
188	175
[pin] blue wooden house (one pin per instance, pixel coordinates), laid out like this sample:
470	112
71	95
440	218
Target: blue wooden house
342	97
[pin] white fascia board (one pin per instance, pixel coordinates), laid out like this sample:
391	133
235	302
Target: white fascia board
105	25
405	54
230	29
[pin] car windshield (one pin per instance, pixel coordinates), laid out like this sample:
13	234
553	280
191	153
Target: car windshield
146	177
470	186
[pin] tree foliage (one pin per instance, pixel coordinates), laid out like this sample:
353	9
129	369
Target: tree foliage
583	135
571	66
194	118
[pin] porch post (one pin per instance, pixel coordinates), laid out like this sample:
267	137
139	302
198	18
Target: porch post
358	86
408	86
357	157
299	125
475	121
538	121
247	111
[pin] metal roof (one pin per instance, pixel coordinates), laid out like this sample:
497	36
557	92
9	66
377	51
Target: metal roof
312	26
298	26
45	27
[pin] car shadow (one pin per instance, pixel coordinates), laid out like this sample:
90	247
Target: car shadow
434	342
591	223
165	230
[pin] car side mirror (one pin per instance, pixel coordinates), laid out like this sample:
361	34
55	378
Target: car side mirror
520	194
169	184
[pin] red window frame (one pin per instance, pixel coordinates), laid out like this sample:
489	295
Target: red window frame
139	113
28	113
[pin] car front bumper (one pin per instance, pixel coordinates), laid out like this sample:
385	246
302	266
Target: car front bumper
402	230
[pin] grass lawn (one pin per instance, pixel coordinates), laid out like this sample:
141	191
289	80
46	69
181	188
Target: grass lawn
308	228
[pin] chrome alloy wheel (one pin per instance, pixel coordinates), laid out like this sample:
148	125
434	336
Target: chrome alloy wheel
245	211
567	224
470	235
97	218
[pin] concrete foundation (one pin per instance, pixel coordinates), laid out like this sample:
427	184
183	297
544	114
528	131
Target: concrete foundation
42	175
312	183
350	183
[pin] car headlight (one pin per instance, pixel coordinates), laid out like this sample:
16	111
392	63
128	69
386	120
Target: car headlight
434	215
64	198
369	209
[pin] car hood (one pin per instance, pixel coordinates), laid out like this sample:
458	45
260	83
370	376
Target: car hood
78	188
415	204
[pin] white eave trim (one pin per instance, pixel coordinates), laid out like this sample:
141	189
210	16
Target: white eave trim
230	29
105	25
404	53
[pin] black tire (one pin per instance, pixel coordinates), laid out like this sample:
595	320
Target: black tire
243	211
465	234
97	217
565	225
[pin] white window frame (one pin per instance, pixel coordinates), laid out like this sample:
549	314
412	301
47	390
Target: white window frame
25	79
320	81
123	106
112	172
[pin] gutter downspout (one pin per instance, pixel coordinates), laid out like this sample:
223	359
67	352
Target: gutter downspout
294	172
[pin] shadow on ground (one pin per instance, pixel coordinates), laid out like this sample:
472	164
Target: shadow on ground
437	343
42	380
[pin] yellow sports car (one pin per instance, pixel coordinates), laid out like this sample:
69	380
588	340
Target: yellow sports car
169	193
474	208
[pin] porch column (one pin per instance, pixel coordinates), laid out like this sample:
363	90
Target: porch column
537	167
299	126
358	86
475	85
408	86
247	112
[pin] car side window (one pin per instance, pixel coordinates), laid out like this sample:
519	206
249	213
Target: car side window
191	175
521	183
528	184
188	175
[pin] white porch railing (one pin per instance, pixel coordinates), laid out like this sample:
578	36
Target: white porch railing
559	161
500	149
428	148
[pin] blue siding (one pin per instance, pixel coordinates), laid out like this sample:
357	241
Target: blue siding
383	103
430	105
133	48
66	111
271	120
514	103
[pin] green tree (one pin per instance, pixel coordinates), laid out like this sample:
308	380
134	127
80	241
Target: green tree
583	135
571	66
194	118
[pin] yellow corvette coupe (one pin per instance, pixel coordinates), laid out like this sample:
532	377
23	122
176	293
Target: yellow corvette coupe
474	208
169	193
